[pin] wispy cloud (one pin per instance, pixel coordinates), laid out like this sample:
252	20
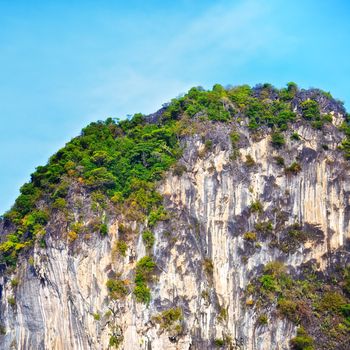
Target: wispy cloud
225	34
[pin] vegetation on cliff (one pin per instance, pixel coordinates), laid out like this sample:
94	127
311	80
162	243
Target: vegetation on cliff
117	164
122	160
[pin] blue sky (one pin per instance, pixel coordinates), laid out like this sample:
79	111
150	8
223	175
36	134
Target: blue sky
64	64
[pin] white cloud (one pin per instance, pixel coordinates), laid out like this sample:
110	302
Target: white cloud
225	34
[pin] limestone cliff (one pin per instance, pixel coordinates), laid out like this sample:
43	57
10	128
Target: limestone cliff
232	208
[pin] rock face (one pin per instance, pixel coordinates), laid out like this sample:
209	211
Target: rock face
204	261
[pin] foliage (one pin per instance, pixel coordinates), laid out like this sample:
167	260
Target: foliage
288	308
115	340
169	319
294	168
117	289
331	302
142	293
103	229
121	247
304	299
59	203
11	301
295	136
264	227
208	266
234	137
219	342
156	215
277	139
144	269
256	207
148	239
287	94
302	341
250	236
262	320
120	160
311	112
279	160
72	236
249	161
345	144
14	282
223	315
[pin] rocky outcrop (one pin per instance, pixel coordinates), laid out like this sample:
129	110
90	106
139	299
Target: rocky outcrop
203	260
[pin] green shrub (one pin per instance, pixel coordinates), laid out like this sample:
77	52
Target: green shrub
100	177
78	227
297	235
103	229
101	158
302	341
144	269
268	282
295	136
249	161
117	289
208	266
234	137
279	160
59	203
310	110
331	302
98	200
115	340
275	268
345	310
122	247
288	93
223	315
262	320
97	317
277	139
287	308
142	293
11	301
208	144
250	236
264	227
148	239
256	207
14	282
156	215
294	168
219	342
167	319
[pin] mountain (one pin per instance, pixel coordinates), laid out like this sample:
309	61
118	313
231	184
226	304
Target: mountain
220	221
